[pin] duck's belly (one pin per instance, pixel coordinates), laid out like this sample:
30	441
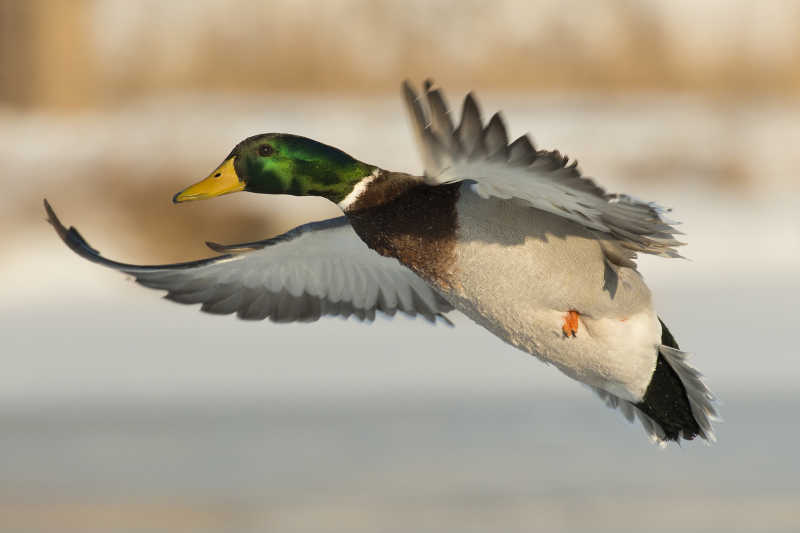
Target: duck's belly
517	271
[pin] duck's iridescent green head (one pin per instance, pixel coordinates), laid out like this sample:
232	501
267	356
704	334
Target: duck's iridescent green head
279	163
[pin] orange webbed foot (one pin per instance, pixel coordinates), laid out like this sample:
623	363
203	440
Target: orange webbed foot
570	327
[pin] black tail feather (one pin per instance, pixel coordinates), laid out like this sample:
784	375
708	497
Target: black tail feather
665	400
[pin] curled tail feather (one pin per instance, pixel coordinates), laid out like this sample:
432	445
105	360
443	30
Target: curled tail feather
677	404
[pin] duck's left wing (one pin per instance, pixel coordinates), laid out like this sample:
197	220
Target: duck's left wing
544	180
316	269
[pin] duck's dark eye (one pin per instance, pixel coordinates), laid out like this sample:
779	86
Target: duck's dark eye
265	150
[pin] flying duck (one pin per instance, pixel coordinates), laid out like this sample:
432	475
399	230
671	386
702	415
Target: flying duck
513	237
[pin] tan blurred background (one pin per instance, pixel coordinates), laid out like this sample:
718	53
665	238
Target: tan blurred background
91	89
121	412
84	54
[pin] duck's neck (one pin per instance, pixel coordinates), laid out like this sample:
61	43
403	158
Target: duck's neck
359	189
377	188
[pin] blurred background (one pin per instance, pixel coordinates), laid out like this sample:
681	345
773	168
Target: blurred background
123	412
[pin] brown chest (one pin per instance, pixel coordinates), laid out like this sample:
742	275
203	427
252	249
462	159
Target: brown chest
415	224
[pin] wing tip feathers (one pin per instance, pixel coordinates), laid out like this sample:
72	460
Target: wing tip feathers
472	139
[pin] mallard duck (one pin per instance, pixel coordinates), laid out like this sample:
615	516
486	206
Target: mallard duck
515	238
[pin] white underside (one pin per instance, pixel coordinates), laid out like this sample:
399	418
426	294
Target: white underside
518	272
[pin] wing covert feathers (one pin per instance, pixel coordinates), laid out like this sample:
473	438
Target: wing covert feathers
317	269
546	180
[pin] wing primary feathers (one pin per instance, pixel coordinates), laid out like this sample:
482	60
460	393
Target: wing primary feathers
441	121
470	130
233	248
495	139
414	105
429	143
542	179
521	153
316	269
78	244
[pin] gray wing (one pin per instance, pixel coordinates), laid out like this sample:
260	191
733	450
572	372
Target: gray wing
544	180
316	269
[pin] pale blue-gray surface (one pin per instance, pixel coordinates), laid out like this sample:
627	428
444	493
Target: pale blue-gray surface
418	463
395	432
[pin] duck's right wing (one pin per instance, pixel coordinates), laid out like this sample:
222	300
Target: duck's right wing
316	269
482	154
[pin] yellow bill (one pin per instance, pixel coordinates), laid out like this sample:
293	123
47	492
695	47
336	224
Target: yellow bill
223	180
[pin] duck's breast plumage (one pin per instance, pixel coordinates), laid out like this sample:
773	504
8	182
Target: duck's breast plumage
518	270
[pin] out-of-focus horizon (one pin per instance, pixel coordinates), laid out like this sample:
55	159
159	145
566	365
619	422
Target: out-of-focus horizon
121	411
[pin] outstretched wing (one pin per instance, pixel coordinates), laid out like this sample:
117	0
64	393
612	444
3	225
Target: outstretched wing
316	269
541	179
